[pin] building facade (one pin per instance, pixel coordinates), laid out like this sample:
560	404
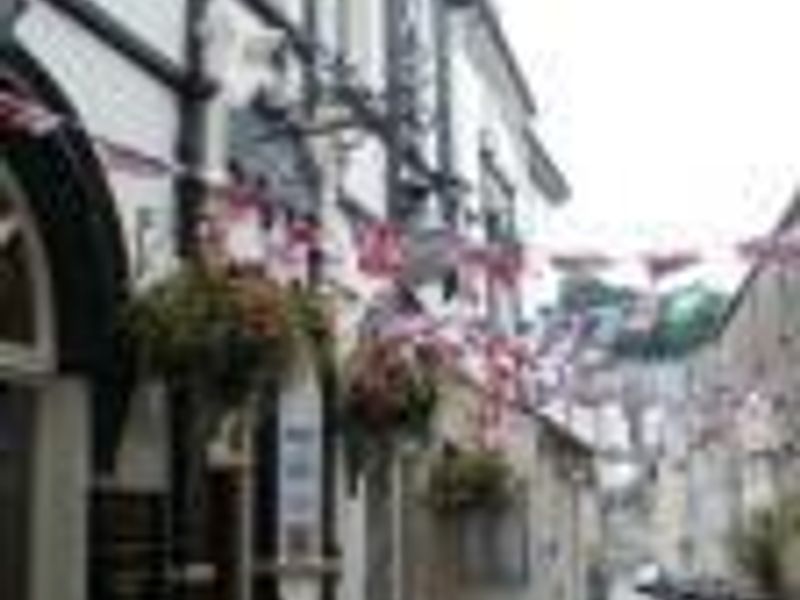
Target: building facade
121	126
78	236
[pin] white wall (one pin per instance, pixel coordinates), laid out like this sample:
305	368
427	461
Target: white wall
61	483
117	101
160	22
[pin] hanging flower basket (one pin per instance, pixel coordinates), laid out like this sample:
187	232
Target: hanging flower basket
211	330
463	480
391	389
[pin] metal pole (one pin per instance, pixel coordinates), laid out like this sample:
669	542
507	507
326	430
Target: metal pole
444	96
192	144
247	496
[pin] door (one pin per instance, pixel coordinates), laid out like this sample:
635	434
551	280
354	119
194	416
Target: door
16	433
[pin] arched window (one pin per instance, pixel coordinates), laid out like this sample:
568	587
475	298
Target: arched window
24	305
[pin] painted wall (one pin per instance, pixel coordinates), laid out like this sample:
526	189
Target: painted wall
61	480
116	100
160	22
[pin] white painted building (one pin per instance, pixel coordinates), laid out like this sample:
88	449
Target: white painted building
507	185
299	98
78	237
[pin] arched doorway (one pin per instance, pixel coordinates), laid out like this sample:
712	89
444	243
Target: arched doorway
25	356
62	273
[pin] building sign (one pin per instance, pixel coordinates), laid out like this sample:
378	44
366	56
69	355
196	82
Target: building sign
300	470
267	149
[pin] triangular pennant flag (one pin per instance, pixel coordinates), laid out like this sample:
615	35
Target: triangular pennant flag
381	249
663	264
304	232
782	249
23	114
580	262
124	158
507	265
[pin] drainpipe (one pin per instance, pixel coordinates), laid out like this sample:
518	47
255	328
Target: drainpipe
329	546
190	150
444	110
393	15
192	135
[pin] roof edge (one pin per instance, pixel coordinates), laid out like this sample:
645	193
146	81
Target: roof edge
790	216
491	19
544	171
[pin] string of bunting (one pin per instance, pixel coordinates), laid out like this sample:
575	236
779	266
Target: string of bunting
382	246
249	211
383	250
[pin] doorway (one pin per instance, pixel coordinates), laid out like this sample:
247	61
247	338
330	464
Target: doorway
17	407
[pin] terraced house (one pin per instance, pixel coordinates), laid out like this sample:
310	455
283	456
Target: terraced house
124	127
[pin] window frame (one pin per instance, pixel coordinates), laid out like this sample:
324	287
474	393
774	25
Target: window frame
39	356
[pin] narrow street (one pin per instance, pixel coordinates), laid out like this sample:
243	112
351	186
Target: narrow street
399	300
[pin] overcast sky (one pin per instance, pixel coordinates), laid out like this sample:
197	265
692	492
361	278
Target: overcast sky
674	120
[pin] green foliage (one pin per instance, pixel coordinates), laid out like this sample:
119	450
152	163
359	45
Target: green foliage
688	317
212	331
760	547
470	479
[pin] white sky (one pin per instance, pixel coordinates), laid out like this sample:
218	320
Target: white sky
676	121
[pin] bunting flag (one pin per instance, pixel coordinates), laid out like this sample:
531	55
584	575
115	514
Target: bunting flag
450	351
304	232
781	249
18	114
660	265
243	236
255	228
581	263
122	157
381	251
468	284
507	266
403	327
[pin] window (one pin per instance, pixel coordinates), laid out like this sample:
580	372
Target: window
497	205
493	547
497	199
17	298
25	319
15	495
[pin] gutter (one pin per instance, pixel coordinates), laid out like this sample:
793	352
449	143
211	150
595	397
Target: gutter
191	144
544	171
789	218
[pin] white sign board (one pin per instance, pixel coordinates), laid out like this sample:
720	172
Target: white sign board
300	469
